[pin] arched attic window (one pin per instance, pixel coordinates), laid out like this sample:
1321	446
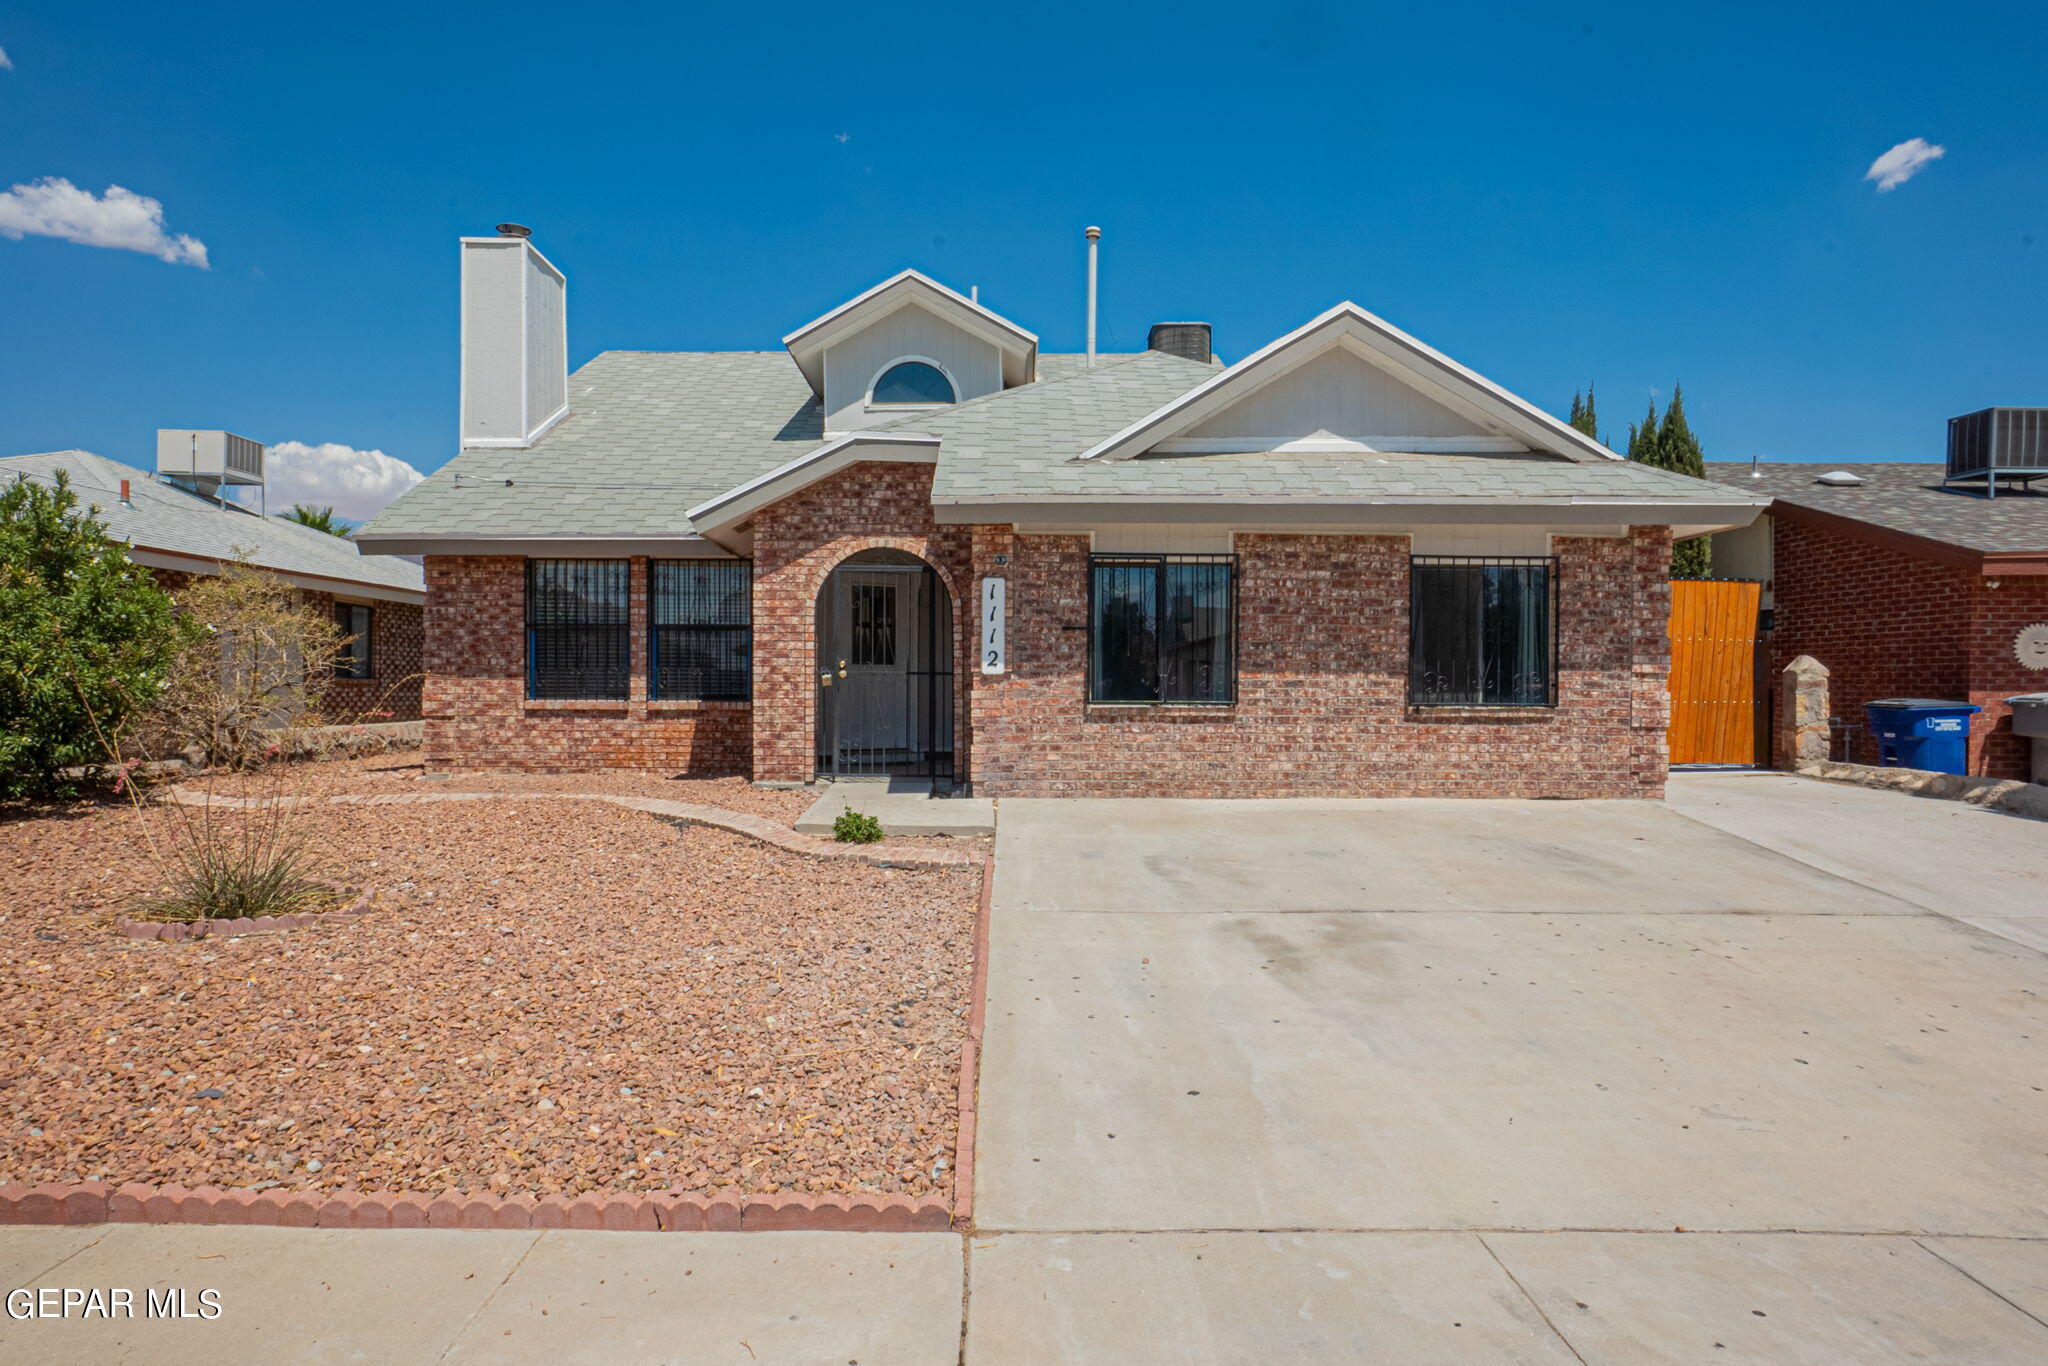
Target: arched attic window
911	383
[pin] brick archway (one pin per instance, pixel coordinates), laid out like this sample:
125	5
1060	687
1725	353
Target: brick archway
797	544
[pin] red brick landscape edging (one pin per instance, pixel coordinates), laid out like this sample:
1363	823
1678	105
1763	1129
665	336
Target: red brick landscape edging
174	931
970	1055
99	1202
688	813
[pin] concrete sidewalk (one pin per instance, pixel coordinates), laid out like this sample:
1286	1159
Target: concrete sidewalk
738	1299
406	1296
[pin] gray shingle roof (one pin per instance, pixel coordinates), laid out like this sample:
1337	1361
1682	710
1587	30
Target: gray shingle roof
1905	496
170	519
652	434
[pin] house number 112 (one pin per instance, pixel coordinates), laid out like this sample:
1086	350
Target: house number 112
994	593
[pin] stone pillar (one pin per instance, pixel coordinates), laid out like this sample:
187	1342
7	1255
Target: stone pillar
1801	722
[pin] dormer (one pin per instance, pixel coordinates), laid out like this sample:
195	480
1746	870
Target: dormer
908	345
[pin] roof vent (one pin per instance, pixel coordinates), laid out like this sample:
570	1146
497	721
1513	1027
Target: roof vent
1839	479
514	230
1190	341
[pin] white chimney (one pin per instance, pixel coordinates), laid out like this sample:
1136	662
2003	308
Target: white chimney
515	340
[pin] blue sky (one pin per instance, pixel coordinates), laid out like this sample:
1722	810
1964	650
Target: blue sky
1624	193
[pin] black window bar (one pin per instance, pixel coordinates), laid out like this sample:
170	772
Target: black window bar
1482	631
1162	628
577	629
700	641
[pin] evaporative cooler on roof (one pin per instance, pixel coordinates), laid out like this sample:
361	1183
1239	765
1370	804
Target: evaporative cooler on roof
1999	443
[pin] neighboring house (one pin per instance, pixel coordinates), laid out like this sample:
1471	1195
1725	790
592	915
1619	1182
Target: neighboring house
1903	586
179	532
911	543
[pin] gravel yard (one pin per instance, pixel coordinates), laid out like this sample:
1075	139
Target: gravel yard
554	997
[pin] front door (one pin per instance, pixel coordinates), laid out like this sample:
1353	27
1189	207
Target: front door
875	637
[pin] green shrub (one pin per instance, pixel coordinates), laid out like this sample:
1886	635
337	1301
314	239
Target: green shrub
85	637
853	828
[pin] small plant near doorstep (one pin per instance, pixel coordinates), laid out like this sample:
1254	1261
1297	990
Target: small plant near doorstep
851	827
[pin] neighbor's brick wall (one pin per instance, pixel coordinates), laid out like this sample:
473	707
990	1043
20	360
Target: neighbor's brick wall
397	640
1889	624
1322	706
797	542
477	713
1998	615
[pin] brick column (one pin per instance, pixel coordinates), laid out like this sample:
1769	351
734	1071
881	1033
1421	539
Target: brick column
1801	725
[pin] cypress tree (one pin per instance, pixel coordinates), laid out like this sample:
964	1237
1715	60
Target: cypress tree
1681	454
1585	416
1642	440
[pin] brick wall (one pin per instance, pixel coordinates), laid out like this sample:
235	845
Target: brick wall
1322	708
1890	624
797	542
1998	615
478	715
397	639
1322	682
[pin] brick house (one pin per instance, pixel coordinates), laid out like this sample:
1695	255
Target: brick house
911	543
1903	585
180	531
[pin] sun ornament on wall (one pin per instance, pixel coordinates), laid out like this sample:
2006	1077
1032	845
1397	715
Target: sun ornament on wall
2031	646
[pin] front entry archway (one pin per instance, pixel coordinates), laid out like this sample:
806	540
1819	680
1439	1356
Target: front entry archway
884	669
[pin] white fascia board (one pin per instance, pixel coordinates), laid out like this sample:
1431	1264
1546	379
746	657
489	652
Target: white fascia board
807	344
1412	358
611	547
735	505
1283	509
319	583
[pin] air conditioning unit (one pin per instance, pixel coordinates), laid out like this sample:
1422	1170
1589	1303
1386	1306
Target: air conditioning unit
1992	443
208	459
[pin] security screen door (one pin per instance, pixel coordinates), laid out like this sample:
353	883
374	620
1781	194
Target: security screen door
885	671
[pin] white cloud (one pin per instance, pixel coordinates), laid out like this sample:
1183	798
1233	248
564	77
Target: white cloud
54	207
6	62
1903	162
356	484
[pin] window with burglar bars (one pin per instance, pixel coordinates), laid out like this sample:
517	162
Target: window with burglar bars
1162	628
577	627
353	621
700	639
1482	631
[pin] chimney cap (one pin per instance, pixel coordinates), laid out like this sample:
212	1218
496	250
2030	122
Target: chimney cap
1092	233
514	230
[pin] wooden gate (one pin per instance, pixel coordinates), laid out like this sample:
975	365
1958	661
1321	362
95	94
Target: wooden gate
1716	706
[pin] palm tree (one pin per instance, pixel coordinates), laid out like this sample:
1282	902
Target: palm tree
320	519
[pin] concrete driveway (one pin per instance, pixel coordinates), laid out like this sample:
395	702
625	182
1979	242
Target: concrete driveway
1403	1043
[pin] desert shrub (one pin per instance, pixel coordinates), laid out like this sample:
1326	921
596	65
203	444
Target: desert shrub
86	637
254	668
851	827
236	864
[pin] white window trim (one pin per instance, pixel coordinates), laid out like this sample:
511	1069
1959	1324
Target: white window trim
868	401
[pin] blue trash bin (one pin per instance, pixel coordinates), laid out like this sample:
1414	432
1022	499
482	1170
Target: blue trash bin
1922	732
